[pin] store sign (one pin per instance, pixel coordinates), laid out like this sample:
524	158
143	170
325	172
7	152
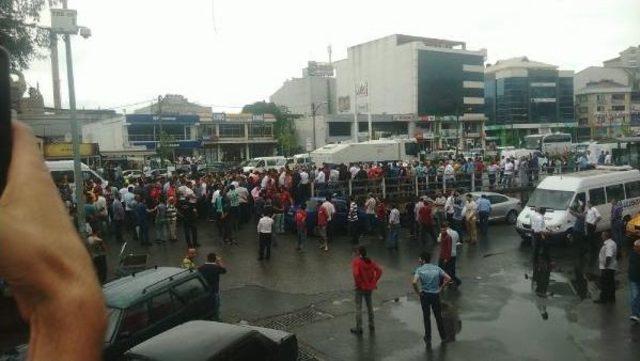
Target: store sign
220	117
344	104
428	118
65	150
403	117
64	21
315	68
362	89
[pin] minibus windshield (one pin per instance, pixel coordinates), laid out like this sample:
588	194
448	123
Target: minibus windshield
550	199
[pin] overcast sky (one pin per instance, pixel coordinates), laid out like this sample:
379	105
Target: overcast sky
143	48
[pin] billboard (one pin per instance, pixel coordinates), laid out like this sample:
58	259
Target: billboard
65	150
315	68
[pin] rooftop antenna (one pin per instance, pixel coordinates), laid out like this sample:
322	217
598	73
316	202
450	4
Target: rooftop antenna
329	51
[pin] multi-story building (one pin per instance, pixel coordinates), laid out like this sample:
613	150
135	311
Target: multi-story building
527	97
234	137
194	130
409	86
312	93
608	98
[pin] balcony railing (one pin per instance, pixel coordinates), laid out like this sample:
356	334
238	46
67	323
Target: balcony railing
152	138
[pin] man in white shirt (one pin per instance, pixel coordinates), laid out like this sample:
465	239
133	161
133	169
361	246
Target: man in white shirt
265	226
304	177
538	228
265	181
448	207
608	265
508	172
370	210
331	210
394	228
354	170
320	177
607	158
591	219
449	172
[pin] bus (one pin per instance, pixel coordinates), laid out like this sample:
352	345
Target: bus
551	143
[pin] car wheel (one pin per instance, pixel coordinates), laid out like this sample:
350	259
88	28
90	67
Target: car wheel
512	217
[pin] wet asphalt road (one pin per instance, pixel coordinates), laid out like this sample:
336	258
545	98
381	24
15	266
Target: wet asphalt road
310	293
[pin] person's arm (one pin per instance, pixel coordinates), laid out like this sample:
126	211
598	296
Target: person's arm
445	280
51	278
416	284
378	271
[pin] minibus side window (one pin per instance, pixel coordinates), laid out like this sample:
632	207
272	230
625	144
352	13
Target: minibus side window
615	192
580	200
633	189
596	196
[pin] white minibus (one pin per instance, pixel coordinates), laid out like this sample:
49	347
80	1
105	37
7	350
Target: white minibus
558	193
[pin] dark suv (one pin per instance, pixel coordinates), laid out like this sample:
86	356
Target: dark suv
145	304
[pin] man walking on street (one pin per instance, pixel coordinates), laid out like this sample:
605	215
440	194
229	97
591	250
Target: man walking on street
428	281
448	238
265	228
592	218
537	228
394	228
484	210
117	217
211	271
366	274
608	265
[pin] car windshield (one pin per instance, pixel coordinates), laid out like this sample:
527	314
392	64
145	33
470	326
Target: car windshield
550	199
113	316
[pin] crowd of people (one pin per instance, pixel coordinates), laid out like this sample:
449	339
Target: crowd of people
278	201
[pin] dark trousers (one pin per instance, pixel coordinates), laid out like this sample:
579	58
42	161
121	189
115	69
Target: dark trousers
234	212
354	232
264	250
450	269
215	299
360	294
607	285
484	222
431	301
427	230
117	229
100	264
536	242
592	238
143	233
190	233
130	224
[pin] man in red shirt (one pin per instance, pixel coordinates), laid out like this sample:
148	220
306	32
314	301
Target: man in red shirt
366	274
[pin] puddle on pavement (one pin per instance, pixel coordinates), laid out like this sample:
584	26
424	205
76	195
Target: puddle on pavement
520	328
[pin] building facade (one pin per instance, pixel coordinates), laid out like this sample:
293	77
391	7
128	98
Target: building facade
408	86
312	93
527	97
608	97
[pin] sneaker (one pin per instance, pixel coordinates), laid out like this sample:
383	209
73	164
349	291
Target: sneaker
634	318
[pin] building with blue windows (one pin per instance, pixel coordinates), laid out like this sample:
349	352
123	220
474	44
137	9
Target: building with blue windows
527	97
145	130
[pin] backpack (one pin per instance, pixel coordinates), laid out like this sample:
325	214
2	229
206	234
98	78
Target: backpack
424	215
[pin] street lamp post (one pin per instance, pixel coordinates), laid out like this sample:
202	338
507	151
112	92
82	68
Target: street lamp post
314	111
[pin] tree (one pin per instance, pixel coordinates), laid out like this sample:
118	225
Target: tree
166	145
284	128
19	32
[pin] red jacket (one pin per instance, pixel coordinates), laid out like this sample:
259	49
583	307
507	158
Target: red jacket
366	273
445	246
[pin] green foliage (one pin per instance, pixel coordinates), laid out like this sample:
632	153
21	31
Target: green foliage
284	128
19	33
165	146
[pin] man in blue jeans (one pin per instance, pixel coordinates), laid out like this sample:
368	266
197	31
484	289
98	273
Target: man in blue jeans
484	210
211	271
428	281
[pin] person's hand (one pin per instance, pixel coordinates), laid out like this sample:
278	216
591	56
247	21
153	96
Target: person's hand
45	263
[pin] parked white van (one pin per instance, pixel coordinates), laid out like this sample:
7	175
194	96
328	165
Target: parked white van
262	164
61	168
561	192
303	159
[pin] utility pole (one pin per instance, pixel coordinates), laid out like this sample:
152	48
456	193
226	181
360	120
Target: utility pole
55	69
75	129
313	117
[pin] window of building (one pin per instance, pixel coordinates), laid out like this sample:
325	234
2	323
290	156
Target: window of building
340	129
600	108
231	131
617	96
583	110
261	130
601	98
618	108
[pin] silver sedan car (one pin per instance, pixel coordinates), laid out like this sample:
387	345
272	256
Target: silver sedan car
502	207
